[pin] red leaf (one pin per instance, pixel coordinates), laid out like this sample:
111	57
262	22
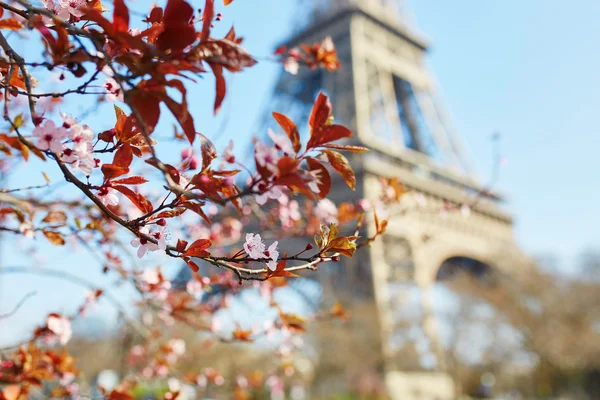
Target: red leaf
323	176
221	85
350	148
280	270
327	134
207	17
178	33
341	165
193	266
198	248
209	152
148	107
12	24
123	156
120	16
295	183
181	245
54	237
55	217
111	171
142	203
132	180
320	113
290	128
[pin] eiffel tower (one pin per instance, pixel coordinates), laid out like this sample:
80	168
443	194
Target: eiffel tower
385	94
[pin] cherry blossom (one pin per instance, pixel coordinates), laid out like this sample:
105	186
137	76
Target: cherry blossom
266	156
273	193
82	137
289	211
282	142
144	245
291	66
114	90
60	328
26	228
327	211
50	136
107	196
254	246
68	120
273	255
65	8
228	153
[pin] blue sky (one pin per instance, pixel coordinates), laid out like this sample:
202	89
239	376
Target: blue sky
526	69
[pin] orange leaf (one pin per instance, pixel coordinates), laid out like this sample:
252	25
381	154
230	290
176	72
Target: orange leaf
142	203
321	112
350	148
280	270
193	266
327	134
198	248
132	180
120	16
178	33
147	105
242	335
54	237
324	179
111	171
342	245
55	217
341	165
12	24
227	2
339	311
290	128
123	156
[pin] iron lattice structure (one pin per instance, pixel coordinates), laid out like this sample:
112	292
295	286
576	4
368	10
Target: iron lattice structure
387	96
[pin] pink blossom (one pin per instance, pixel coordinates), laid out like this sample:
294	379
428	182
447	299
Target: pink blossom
60	327
177	346
114	90
291	66
68	120
282	142
254	246
26	228
65	8
266	156
228	153
107	196
289	211
187	153
82	137
195	288
273	255
273	193
50	137
327	211
144	245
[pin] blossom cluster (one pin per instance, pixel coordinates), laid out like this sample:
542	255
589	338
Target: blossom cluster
76	151
255	249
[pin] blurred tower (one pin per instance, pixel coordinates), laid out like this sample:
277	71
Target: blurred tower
385	94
